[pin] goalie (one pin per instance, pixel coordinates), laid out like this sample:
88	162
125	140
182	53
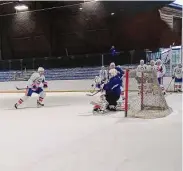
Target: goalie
36	83
177	75
112	93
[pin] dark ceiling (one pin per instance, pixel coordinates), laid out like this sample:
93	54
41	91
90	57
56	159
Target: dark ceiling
7	7
81	27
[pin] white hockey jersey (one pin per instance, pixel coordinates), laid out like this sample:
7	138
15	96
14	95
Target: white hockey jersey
177	72
140	69
161	70
152	68
36	79
103	74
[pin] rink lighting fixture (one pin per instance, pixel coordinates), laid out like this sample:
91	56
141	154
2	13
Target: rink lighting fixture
21	7
112	13
80	8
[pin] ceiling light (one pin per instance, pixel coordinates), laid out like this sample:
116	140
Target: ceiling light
112	13
80	8
21	7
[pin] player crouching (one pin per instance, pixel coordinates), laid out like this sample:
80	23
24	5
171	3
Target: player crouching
112	93
36	83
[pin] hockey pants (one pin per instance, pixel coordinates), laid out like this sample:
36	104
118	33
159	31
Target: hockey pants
111	99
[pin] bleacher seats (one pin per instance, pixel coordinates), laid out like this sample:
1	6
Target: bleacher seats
55	74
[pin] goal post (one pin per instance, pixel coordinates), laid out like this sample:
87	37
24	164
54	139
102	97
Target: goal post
143	96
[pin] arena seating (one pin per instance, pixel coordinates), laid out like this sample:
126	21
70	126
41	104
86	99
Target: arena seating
52	74
55	74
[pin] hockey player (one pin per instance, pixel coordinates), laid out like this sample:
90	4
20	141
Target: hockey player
177	75
96	83
120	73
36	83
112	93
103	74
161	70
140	69
99	80
112	89
152	66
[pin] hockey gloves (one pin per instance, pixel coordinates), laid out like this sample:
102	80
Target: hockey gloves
45	85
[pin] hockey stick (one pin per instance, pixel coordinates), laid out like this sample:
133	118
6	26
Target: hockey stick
20	88
93	93
169	84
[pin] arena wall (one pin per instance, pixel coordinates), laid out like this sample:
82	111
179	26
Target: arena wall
68	85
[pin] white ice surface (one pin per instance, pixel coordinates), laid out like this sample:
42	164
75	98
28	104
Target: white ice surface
65	136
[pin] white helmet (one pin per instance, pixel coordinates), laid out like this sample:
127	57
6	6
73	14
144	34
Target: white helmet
152	62
179	65
113	72
102	67
142	62
159	62
112	65
40	69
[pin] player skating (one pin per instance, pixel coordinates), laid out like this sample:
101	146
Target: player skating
161	70
177	75
108	101
36	83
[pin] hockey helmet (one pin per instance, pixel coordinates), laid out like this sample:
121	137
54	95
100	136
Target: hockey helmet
179	65
41	70
159	62
142	62
102	67
152	62
112	65
113	72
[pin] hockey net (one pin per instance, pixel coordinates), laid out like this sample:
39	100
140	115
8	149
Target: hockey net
143	96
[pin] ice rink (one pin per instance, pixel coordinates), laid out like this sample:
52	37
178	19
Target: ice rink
65	136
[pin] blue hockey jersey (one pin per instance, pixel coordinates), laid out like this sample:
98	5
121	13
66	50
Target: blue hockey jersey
113	86
120	72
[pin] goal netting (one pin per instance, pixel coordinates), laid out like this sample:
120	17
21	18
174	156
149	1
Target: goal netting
144	97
